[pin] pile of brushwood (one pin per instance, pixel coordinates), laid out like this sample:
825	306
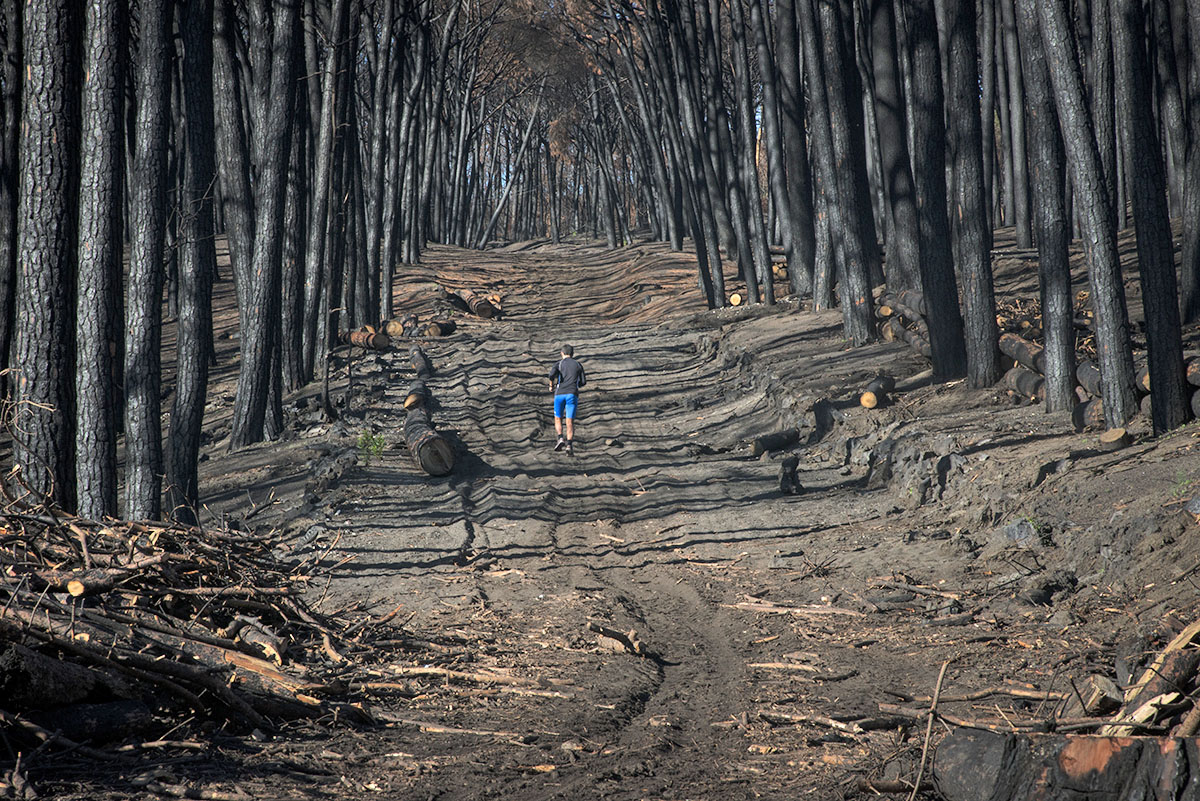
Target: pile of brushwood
112	630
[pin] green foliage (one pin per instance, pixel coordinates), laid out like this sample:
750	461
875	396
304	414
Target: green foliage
370	446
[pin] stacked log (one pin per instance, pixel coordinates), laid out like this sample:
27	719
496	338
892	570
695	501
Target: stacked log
894	330
430	450
1026	383
366	338
903	316
438	328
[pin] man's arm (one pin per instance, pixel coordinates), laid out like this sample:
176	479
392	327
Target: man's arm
553	375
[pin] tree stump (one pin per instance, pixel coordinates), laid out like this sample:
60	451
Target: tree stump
789	484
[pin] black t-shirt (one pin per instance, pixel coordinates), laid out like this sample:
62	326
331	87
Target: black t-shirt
568	376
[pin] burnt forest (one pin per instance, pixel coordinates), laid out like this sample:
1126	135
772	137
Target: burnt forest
645	400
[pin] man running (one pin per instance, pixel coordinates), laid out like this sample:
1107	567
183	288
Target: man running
566	378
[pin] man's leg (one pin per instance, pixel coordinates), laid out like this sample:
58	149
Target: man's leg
569	417
558	424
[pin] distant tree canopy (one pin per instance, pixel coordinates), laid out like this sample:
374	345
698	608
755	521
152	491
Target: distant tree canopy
819	148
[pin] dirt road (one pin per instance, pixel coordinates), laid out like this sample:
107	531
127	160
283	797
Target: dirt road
754	634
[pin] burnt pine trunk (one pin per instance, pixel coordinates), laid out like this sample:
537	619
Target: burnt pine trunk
198	261
1016	116
855	290
97	326
1052	227
259	318
1190	268
44	344
798	227
11	81
903	231
972	239
1096	214
946	339
1170	403
143	322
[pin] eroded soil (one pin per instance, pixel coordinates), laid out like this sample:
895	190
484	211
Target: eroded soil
1043	560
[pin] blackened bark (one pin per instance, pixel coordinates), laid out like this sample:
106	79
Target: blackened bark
233	146
44	343
11	82
295	227
799	225
1190	268
1020	163
904	231
929	167
143	321
1051	224
1096	214
1170	403
198	261
855	292
273	146
972	239
987	99
1103	111
102	172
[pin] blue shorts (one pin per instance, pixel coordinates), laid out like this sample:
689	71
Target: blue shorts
564	406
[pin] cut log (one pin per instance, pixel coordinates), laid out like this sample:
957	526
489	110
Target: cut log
478	305
1101	695
774	442
1146	405
1143	379
893	306
917	342
438	328
420	363
1195	403
789	484
1088	415
1006	767
1025	353
1192	373
429	449
1026	383
106	722
1114	439
366	339
394	328
1088	375
455	300
418	395
877	391
735	299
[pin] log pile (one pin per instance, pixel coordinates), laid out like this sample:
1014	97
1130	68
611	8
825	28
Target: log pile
902	318
102	622
410	327
432	452
366	337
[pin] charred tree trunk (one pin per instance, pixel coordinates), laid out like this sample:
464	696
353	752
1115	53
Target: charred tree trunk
1051	224
972	241
143	379
11	87
1096	214
44	344
100	248
198	262
1160	299
1190	268
946	339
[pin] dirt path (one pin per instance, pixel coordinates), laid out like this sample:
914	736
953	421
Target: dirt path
745	601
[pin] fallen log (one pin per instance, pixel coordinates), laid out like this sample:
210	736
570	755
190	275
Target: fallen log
431	451
1026	383
1142	379
29	680
774	442
418	395
917	342
1015	767
877	391
1192	371
907	303
477	304
366	339
1088	415
1195	403
420	363
1088	375
1025	353
438	328
405	326
454	299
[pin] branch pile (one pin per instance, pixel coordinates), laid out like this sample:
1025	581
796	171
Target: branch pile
112	620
